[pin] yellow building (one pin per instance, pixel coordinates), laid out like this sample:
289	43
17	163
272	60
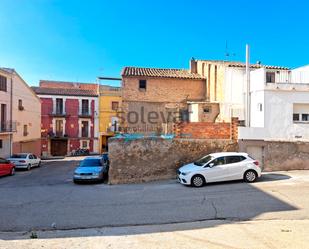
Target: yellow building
110	105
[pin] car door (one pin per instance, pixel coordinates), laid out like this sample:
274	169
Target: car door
216	170
235	167
30	160
2	166
35	160
5	167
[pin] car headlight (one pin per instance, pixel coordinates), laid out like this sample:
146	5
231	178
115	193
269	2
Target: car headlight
95	174
185	173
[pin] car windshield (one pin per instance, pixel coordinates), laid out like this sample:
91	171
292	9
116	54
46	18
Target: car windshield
91	163
203	160
19	156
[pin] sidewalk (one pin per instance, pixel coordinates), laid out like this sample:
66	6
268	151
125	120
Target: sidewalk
209	234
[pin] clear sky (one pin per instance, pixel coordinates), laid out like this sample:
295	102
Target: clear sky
74	40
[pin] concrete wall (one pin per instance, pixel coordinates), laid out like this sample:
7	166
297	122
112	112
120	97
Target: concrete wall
149	159
279	155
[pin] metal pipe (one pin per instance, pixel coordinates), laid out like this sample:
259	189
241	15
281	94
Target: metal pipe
247	85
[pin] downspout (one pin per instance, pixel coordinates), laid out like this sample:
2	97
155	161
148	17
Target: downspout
11	117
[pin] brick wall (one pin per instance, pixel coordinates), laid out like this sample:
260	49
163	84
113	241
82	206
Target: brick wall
207	130
163	89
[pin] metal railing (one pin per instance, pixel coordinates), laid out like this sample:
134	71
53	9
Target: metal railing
7	126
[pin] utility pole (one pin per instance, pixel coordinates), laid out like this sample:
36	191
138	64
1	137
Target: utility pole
247	106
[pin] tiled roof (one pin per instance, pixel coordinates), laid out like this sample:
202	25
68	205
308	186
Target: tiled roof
160	72
64	91
241	64
258	66
66	84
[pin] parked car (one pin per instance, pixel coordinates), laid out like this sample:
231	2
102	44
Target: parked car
217	167
6	167
25	160
91	169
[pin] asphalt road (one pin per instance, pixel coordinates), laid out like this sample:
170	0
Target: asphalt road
46	198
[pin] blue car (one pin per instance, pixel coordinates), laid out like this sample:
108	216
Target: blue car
91	169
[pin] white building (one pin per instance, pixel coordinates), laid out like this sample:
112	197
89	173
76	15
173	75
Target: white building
279	105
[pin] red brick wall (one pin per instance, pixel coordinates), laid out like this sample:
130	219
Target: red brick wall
204	130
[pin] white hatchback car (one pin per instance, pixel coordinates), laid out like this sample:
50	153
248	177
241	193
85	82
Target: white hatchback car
217	167
25	160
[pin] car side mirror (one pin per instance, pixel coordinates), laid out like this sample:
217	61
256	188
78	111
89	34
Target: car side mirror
211	165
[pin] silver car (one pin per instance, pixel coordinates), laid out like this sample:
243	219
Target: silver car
91	169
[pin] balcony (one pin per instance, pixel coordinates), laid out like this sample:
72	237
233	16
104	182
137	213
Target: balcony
85	113
60	114
8	127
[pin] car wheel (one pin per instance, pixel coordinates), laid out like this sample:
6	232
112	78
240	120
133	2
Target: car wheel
198	181
29	166
250	176
12	172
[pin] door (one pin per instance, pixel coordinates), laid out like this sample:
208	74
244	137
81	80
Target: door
58	147
235	166
257	153
218	171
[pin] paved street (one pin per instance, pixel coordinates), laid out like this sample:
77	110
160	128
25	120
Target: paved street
44	196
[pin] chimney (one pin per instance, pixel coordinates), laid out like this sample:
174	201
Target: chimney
193	65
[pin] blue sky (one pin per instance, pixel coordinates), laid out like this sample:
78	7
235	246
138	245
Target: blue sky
80	40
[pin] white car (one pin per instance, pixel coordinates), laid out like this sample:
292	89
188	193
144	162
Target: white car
217	167
25	160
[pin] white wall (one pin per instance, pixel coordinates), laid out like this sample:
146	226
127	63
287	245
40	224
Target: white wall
233	92
278	122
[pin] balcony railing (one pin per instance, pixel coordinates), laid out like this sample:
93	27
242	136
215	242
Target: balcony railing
85	113
8	126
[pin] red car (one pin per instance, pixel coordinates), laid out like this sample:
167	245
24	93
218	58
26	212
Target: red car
6	167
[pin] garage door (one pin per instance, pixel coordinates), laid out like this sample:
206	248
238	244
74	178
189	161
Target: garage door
58	147
257	152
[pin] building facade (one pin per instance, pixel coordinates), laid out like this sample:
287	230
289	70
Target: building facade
22	112
278	131
70	117
226	85
153	99
6	122
110	113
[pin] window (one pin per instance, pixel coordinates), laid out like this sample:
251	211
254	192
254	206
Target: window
85	144
234	159
25	130
219	161
260	107
85	107
142	84
207	109
59	128
3	121
34	156
31	157
59	106
1	143
3	83
115	105
20	105
305	117
270	77
85	126
295	116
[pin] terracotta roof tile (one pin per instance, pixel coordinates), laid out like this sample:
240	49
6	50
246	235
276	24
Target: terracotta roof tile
160	72
64	91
